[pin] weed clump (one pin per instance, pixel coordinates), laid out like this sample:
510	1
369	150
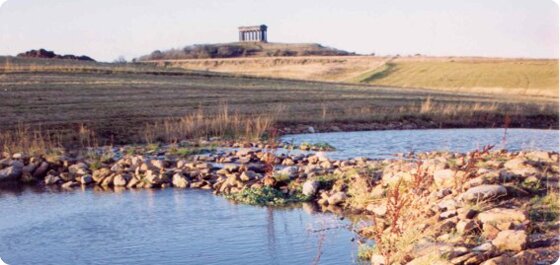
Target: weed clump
267	196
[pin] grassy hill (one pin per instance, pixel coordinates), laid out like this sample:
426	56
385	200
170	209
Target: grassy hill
242	50
523	77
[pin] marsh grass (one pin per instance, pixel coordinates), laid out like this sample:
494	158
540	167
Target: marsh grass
225	124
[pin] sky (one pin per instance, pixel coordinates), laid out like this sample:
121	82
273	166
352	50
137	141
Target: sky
107	29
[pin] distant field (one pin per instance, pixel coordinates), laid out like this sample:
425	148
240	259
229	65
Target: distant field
471	75
119	100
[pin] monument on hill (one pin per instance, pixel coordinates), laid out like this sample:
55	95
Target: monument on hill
253	33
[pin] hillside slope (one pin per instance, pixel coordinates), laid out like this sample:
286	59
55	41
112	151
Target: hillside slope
534	77
244	49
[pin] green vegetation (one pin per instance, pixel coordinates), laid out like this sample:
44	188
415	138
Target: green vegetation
511	76
545	208
266	196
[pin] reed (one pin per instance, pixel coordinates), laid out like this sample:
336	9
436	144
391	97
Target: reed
200	124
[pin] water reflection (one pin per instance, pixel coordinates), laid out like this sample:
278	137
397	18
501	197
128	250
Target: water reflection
162	227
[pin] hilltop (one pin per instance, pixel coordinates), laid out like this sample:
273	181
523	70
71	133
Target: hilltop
244	49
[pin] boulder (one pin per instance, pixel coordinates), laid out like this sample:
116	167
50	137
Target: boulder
69	184
121	180
247	176
465	227
444	178
180	181
85	179
484	192
100	174
502	215
290	172
51	179
337	198
41	171
310	187
13	172
379	210
514	240
377	259
500	260
516	163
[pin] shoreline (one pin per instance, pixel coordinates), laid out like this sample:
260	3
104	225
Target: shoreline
462	208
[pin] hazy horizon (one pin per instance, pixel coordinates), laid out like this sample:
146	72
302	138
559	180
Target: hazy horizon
107	29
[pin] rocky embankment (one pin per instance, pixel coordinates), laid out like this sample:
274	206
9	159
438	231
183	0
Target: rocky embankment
484	207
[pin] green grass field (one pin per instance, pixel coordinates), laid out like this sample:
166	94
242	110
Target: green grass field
514	77
522	77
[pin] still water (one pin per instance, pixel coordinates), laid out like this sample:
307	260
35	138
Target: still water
384	144
168	226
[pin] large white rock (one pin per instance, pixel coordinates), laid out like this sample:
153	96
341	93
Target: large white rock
514	240
310	187
484	192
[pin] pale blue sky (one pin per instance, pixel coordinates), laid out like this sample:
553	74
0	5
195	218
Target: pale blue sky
106	29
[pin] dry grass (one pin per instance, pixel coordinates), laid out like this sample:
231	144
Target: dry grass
459	74
327	68
199	124
117	105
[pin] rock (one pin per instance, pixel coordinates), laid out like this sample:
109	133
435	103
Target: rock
447	214
444	178
539	156
516	163
447	205
13	172
51	179
379	210
490	231
337	198
514	240
524	257
120	180
288	162
247	176
133	183
310	187
501	260
85	179
78	169
502	215
41	171
484	192
377	259
467	213
100	174
310	129
69	184
290	172
107	181
484	248
180	181
465	227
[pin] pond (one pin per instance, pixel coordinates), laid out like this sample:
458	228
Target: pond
173	226
385	144
169	226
